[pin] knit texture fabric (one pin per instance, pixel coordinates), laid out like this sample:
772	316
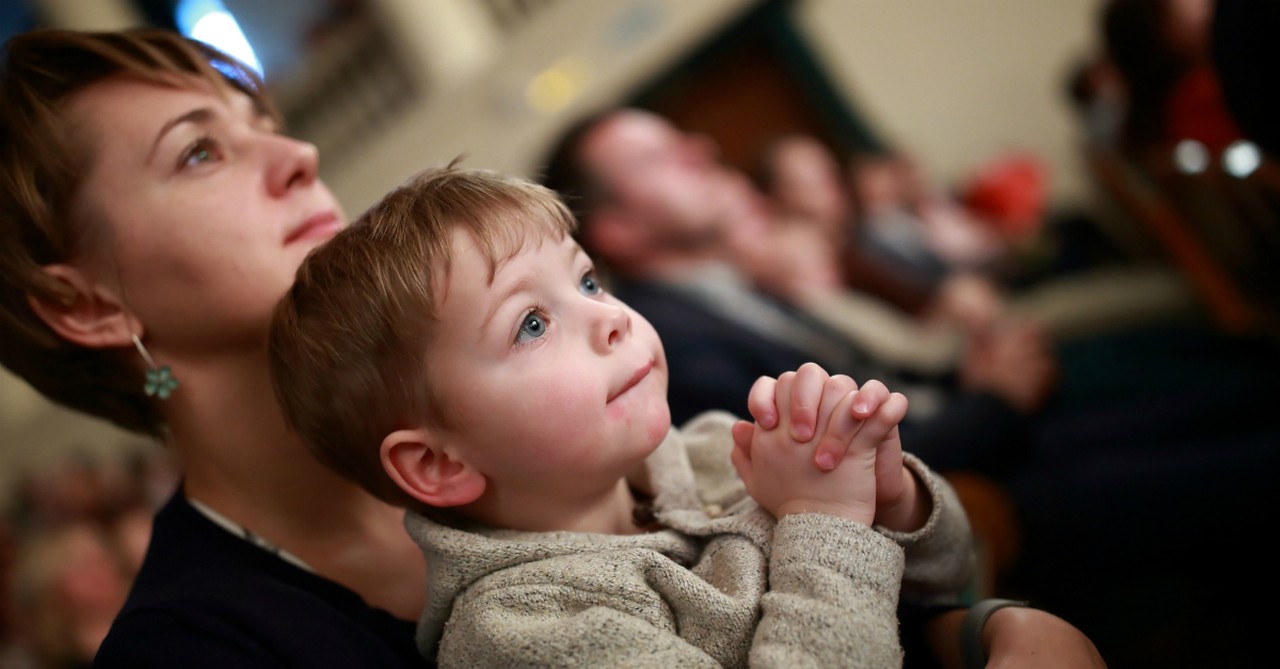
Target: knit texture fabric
722	584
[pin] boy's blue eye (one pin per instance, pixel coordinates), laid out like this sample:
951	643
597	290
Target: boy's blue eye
589	285
534	326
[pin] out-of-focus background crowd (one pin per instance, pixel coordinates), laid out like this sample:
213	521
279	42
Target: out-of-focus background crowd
1013	140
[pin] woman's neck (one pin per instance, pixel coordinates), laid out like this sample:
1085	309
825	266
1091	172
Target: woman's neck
240	459
235	447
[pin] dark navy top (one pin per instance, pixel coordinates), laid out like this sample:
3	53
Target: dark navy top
207	598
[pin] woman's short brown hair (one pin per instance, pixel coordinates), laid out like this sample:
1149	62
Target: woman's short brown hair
40	173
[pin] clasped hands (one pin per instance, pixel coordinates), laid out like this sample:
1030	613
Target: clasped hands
821	444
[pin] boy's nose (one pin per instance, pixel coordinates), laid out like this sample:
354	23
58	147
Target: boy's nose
612	328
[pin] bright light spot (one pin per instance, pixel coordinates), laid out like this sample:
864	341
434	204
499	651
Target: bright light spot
211	23
552	89
1190	157
1241	158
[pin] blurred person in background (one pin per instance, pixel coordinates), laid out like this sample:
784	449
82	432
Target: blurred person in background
67	586
882	245
75	519
814	232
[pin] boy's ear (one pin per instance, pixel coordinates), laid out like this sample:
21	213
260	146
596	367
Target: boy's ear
93	317
425	470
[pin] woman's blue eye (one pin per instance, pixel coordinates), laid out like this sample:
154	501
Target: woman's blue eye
534	326
589	285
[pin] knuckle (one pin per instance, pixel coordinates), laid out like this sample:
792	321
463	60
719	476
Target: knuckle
842	382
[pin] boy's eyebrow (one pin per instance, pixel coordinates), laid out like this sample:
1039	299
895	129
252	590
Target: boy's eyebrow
523	284
520	286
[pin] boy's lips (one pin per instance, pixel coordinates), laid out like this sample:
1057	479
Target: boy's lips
322	225
635	379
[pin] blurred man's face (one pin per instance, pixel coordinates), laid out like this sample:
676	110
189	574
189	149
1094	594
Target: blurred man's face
668	181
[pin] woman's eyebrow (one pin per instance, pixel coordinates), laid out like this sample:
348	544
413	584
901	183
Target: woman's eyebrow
199	115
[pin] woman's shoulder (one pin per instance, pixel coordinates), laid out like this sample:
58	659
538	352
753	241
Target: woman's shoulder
205	597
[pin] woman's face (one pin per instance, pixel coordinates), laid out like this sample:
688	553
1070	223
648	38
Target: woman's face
198	212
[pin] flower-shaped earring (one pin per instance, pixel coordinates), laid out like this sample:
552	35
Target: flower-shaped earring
160	380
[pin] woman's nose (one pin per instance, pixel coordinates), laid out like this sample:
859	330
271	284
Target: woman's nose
292	163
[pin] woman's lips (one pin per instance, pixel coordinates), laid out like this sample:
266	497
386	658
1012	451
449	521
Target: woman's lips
320	226
633	381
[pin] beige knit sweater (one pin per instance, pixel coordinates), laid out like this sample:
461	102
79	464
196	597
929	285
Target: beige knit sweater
722	585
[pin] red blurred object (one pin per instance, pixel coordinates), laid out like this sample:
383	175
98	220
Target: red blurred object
1198	111
1009	192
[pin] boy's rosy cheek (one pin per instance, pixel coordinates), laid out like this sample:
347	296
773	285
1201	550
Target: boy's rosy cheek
564	398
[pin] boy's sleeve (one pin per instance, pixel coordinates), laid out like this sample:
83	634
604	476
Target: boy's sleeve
940	559
833	596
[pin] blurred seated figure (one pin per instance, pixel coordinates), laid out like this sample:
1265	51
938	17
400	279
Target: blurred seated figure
885	250
924	231
797	255
889	259
68	585
80	528
79	487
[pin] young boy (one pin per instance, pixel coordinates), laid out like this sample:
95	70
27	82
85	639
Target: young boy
454	353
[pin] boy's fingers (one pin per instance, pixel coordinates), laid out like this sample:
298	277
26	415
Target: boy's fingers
840	430
834	391
761	402
782	398
894	409
868	399
806	396
742	432
889	483
887	411
840	384
882	427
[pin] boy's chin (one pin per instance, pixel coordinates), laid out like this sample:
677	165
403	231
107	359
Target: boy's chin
659	427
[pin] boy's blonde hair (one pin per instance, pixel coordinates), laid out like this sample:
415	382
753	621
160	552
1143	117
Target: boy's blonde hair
349	342
42	167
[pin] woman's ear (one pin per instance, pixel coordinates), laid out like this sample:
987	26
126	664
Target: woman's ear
92	317
426	471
